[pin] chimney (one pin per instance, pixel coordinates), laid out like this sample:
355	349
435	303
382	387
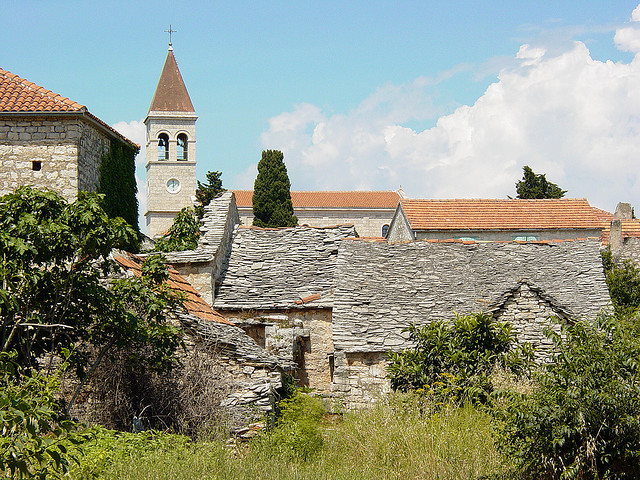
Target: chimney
615	234
623	211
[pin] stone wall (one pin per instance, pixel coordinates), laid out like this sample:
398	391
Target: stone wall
367	222
508	235
302	337
61	154
359	379
530	314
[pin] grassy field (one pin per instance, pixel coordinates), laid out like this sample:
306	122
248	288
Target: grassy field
401	439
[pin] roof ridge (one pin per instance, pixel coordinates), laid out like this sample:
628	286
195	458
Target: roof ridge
34	87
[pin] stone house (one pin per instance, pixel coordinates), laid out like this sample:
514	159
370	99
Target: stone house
370	212
335	305
495	220
49	141
380	288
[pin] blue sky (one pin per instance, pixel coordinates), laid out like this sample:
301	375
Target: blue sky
447	99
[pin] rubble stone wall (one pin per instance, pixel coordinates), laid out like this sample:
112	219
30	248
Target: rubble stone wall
299	336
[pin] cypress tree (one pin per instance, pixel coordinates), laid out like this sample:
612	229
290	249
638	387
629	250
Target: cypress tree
272	205
535	185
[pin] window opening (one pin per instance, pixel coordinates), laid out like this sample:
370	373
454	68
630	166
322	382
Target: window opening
385	230
36	165
525	238
182	147
163	146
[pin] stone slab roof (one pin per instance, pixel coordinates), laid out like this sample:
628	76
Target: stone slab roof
331	199
381	288
496	214
275	268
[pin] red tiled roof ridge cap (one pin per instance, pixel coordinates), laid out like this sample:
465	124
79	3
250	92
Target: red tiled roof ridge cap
409	200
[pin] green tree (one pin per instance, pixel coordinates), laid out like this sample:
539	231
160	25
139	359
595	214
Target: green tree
54	289
207	191
455	360
535	185
583	419
272	205
183	233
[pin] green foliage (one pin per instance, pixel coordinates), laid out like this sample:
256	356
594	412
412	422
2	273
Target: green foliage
208	191
183	233
403	436
37	441
272	205
583	420
624	285
297	434
118	183
53	295
454	361
537	186
107	448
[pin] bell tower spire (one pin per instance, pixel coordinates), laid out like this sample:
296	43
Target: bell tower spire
171	148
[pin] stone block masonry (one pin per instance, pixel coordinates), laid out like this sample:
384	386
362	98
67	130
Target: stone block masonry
62	154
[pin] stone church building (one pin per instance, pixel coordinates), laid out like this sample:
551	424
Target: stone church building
49	141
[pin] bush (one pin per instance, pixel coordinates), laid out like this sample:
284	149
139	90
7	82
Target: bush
297	434
454	361
623	281
37	441
583	420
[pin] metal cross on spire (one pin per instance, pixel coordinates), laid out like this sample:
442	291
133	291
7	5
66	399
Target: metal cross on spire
170	31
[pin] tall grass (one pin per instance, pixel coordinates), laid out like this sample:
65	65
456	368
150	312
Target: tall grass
402	438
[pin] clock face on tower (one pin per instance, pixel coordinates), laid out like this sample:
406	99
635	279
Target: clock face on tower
173	186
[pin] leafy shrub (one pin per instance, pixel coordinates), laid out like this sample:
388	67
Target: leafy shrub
623	281
583	420
454	361
183	234
297	434
37	441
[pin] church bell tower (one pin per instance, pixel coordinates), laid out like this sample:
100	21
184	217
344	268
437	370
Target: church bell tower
171	150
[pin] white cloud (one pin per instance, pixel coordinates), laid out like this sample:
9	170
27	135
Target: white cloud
564	114
136	132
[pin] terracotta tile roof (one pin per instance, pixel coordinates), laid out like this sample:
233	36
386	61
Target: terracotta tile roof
20	95
193	303
603	215
490	214
630	229
171	93
331	199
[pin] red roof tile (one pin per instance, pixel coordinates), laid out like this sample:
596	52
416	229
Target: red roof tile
489	214
331	199
193	302
20	95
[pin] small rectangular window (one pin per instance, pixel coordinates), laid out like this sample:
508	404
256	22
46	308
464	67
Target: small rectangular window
36	165
467	239
525	238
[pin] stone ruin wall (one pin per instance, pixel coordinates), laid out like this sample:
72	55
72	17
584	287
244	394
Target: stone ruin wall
360	378
301	336
69	151
529	316
244	390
